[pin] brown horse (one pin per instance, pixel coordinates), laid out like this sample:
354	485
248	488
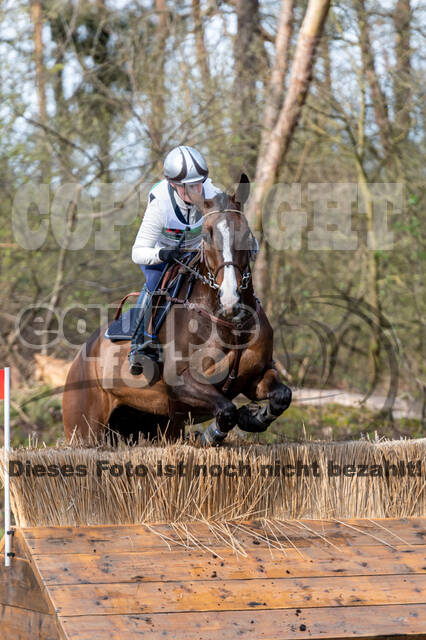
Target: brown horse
216	344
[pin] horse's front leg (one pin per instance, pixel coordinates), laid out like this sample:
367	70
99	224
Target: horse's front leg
256	418
205	396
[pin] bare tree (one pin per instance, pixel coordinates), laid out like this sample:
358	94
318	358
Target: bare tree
249	60
200	46
158	91
278	72
281	134
402	84
369	71
37	20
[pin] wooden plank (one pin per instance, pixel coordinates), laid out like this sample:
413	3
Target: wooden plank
136	538
19	587
22	624
207	595
30	558
368	623
19	546
178	565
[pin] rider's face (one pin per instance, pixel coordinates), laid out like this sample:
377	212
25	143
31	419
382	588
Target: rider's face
186	191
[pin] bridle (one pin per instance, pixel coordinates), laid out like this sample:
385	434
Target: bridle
210	280
211	277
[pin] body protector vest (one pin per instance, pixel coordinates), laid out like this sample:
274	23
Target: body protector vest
177	221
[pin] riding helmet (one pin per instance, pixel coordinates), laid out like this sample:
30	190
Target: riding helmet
184	165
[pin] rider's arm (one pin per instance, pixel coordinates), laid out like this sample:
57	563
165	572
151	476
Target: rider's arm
144	250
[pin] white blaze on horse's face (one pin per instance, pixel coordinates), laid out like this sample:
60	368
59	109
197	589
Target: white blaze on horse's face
228	292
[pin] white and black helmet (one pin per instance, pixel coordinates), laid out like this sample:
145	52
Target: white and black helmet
184	165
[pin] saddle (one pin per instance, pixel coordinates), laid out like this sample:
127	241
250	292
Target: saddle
123	326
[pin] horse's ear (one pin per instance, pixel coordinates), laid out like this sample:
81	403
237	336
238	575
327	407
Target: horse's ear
243	190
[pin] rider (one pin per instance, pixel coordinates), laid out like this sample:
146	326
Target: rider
169	214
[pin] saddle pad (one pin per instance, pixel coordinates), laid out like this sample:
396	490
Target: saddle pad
124	327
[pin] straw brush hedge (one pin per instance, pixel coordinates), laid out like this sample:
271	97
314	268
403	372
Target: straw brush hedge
181	483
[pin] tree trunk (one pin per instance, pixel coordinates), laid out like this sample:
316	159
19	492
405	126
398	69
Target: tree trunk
102	58
371	255
37	20
157	120
372	289
279	69
249	55
402	86
281	135
369	69
200	47
325	55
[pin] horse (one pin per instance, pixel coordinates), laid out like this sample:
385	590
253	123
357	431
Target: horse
217	343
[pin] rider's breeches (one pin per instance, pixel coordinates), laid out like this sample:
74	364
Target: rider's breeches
153	275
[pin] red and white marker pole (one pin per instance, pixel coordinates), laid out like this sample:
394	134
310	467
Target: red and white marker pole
5	395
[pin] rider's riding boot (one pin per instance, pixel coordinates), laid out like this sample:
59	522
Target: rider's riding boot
143	344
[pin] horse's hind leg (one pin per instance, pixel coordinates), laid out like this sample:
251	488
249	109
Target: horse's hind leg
269	385
85	407
204	396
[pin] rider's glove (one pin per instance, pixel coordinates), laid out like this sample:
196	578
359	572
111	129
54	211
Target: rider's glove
168	255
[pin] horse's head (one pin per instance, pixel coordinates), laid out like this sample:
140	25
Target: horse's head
226	246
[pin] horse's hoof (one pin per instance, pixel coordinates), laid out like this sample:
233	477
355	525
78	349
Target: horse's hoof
212	436
279	400
247	420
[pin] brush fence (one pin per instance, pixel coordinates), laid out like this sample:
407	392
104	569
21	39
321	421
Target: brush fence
183	483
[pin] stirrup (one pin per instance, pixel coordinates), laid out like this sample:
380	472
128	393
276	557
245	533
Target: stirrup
139	354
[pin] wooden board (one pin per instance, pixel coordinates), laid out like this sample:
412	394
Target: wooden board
19	587
17	623
311	579
175	564
236	595
26	610
398	622
136	538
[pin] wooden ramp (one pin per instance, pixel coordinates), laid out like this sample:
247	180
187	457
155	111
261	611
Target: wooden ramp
353	579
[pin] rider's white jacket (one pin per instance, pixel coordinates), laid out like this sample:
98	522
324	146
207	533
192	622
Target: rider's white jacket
166	218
